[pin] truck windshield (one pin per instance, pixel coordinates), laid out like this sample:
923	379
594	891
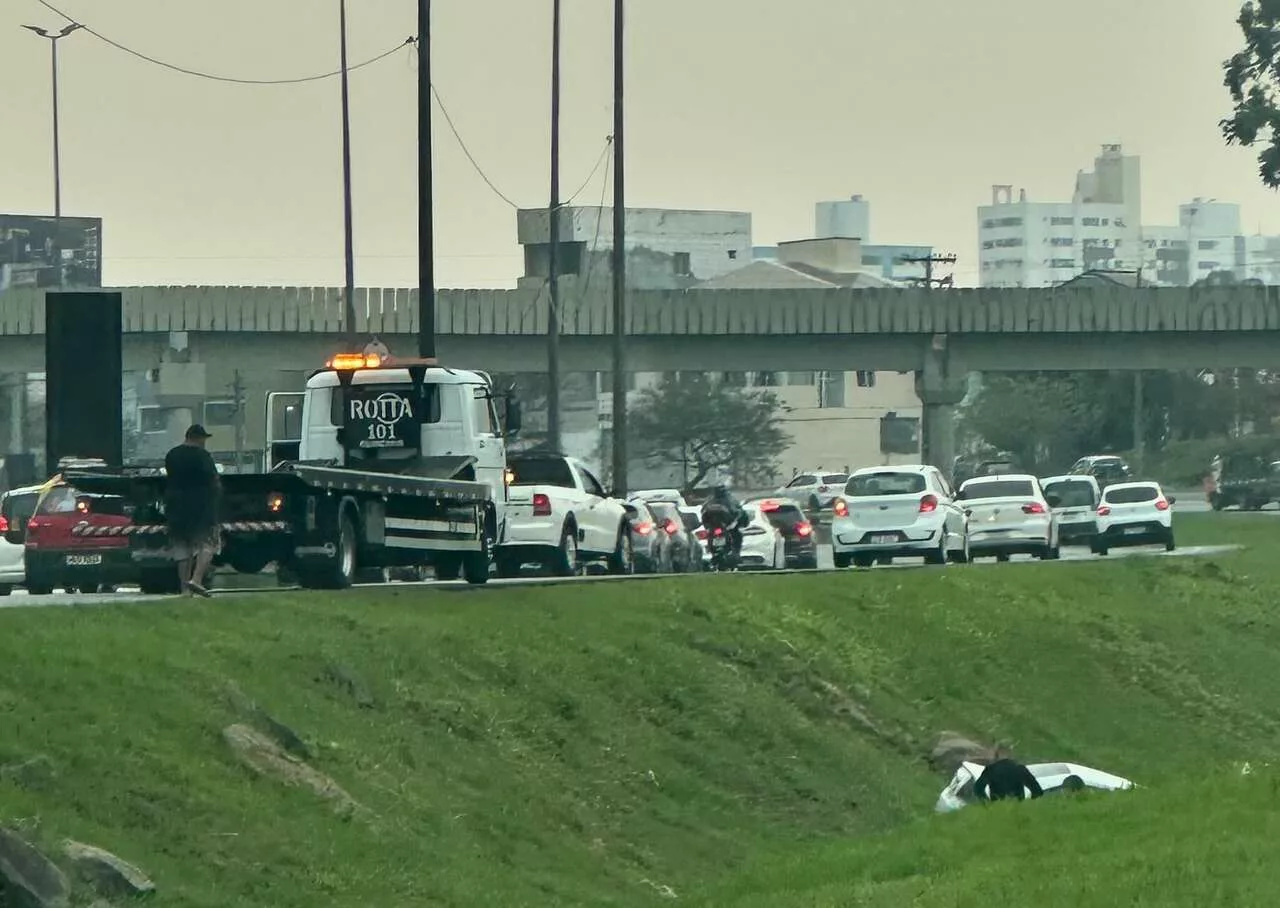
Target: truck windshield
542	471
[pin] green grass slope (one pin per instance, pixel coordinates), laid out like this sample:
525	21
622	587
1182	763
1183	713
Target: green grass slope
593	744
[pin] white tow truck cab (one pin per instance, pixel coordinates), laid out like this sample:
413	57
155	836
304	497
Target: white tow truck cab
382	464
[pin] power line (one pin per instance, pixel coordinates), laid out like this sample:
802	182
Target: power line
929	281
214	77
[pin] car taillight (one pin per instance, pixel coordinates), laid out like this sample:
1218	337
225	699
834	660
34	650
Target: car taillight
1103	510
718	532
1162	504
803	529
840	508
4	525
643	527
275	502
700	533
671	527
1033	507
541	505
82	505
928	504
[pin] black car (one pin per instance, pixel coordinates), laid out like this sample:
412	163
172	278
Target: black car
797	532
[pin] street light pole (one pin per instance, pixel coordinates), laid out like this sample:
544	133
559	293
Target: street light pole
619	263
57	150
426	240
349	261
553	250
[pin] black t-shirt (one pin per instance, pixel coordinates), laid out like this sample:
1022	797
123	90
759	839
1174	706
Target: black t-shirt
1007	779
190	469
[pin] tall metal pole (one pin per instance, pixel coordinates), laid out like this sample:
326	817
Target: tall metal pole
619	263
57	146
553	254
349	291
426	237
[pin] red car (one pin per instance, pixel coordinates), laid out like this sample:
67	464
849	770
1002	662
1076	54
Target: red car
87	562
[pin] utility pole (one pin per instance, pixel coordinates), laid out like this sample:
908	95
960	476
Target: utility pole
928	281
426	239
54	37
553	254
349	261
619	262
1139	405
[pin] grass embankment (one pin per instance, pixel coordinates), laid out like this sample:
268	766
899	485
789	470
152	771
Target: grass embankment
595	743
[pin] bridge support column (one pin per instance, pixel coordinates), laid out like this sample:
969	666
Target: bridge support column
939	391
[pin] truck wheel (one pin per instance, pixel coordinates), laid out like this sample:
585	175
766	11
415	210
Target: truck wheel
567	563
448	567
341	572
475	566
623	560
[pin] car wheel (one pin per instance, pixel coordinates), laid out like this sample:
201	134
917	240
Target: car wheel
40	590
863	561
1100	549
5	590
939	556
962	556
1002	557
1169	544
841	561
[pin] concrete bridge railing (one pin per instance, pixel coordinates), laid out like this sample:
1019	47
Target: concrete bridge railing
319	310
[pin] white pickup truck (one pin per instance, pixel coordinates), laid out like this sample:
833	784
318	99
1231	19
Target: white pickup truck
559	516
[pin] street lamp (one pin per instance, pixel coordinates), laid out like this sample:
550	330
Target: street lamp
349	279
57	154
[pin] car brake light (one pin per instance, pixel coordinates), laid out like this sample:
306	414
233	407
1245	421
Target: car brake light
718	532
803	529
928	504
82	505
1033	507
840	508
671	527
700	533
541	505
1103	510
643	527
1162	504
4	525
768	506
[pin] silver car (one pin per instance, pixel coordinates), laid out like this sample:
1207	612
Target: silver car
1075	500
1009	515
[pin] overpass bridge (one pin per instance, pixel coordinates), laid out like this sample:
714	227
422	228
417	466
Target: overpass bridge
269	333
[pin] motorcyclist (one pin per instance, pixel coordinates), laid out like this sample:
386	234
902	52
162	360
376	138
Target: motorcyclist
734	517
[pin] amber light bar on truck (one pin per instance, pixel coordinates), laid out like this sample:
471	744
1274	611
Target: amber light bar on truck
351	361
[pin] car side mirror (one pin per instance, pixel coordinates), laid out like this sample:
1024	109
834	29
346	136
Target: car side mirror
1173	499
515	417
968	512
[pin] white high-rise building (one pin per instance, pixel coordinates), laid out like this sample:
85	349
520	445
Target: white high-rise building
1039	244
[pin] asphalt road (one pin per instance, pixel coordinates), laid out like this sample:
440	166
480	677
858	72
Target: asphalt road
20	598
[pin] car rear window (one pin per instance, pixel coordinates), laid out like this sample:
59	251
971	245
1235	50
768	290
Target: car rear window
869	485
60	500
1132	495
785	516
1072	493
1015	488
834	479
17	507
804	479
542	471
664	511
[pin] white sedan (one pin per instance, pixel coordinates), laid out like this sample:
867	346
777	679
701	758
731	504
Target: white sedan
763	546
1008	515
1053	778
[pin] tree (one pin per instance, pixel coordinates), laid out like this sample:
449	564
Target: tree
1252	76
704	425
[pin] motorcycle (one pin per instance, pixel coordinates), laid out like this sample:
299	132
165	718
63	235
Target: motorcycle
720	542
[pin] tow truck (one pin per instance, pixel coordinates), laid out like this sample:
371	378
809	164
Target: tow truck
398	463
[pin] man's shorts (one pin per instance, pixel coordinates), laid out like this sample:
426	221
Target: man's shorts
205	544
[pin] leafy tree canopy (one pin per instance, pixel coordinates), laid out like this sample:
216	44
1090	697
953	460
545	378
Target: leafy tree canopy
707	425
1252	76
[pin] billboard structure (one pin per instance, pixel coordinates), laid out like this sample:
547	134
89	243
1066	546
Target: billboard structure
27	251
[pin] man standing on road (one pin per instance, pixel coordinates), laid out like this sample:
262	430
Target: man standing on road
1004	777
191	495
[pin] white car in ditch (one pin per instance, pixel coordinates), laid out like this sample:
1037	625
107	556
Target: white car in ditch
1054	778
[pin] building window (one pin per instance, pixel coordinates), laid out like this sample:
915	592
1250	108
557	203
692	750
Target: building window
1106	222
831	389
219	412
1062	263
733	253
684	268
1207	244
866	379
1062	241
801	379
1061	222
1009	242
765	380
1009	222
1088	222
988	244
153	420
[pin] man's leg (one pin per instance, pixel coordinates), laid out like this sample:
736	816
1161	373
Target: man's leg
204	558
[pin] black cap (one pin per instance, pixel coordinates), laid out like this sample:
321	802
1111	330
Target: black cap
197	431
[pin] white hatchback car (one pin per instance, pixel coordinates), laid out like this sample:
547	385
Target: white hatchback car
1134	513
1074	498
1008	515
907	511
815	491
16	508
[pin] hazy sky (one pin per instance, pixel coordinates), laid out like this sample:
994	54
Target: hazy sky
733	104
